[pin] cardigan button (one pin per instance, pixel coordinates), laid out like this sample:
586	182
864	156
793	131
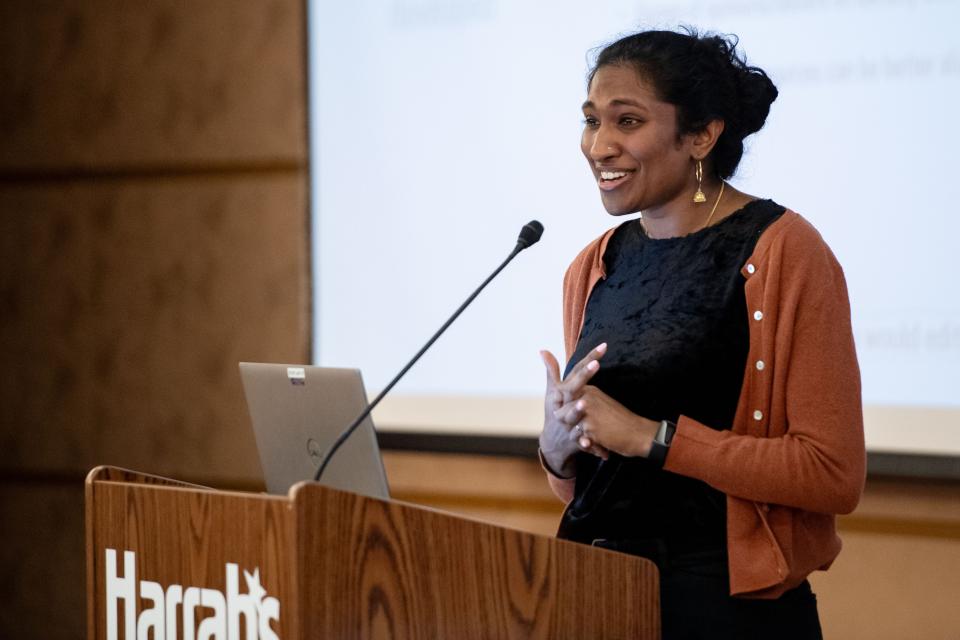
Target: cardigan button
758	315
751	268
758	415
760	365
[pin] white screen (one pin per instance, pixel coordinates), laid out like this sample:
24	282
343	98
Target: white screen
439	127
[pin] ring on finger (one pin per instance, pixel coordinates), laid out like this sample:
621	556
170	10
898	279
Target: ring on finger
579	430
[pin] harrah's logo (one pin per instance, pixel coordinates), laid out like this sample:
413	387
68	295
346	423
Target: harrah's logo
175	611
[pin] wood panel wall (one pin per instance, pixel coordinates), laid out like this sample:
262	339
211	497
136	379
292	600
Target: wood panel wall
153	233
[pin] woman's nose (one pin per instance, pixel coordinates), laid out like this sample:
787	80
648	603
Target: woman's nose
603	146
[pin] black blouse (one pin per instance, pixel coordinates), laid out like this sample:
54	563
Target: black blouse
673	314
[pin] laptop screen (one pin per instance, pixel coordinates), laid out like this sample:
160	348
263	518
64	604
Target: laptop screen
297	413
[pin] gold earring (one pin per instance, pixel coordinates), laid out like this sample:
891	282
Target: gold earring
698	197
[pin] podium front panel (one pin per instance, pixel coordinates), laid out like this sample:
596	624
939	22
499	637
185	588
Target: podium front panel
381	569
202	563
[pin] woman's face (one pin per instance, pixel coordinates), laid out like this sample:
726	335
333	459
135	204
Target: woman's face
630	141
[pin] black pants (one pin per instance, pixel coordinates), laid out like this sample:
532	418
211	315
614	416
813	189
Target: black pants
695	601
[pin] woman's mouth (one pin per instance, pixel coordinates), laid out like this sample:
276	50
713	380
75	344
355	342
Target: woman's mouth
610	180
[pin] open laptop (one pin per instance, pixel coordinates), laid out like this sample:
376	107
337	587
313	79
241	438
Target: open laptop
297	413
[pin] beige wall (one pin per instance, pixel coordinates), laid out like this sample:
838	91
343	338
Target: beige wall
153	233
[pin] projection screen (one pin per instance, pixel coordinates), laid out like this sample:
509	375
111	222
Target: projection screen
438	128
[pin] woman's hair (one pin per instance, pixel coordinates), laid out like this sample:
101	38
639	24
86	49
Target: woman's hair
705	78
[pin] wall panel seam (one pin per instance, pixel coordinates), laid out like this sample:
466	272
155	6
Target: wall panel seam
215	171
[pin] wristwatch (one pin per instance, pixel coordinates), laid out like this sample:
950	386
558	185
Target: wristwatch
661	442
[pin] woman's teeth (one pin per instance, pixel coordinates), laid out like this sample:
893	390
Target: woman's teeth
612	175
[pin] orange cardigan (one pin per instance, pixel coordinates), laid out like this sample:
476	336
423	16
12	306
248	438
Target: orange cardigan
795	455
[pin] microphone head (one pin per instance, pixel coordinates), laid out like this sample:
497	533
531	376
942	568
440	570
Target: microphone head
530	234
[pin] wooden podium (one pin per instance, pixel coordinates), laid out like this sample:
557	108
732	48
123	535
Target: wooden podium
166	556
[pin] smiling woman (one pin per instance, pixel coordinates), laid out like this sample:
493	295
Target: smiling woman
709	417
630	139
663	110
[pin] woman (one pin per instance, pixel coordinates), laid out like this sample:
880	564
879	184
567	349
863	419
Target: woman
709	417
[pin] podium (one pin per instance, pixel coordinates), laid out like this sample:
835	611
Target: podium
170	559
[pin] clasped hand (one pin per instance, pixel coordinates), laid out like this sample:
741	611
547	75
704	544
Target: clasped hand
578	416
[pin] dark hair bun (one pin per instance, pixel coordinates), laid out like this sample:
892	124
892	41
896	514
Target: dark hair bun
756	92
705	77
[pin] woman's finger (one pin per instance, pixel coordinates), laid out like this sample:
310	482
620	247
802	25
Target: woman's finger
582	373
595	354
552	366
588	445
570	413
587	442
576	380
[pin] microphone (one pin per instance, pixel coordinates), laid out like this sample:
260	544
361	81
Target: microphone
529	235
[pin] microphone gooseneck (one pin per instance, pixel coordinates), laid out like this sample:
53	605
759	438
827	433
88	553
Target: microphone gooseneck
529	235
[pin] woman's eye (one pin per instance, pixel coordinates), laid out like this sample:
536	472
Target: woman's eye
590	121
629	121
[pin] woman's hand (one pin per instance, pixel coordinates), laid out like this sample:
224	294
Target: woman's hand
609	425
558	440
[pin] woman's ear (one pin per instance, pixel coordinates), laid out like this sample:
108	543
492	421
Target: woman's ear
703	141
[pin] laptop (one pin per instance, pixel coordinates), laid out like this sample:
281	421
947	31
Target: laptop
297	413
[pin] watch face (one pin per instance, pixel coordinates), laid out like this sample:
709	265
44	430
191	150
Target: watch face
661	432
668	430
664	433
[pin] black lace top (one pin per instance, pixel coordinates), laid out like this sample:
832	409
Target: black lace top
673	314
